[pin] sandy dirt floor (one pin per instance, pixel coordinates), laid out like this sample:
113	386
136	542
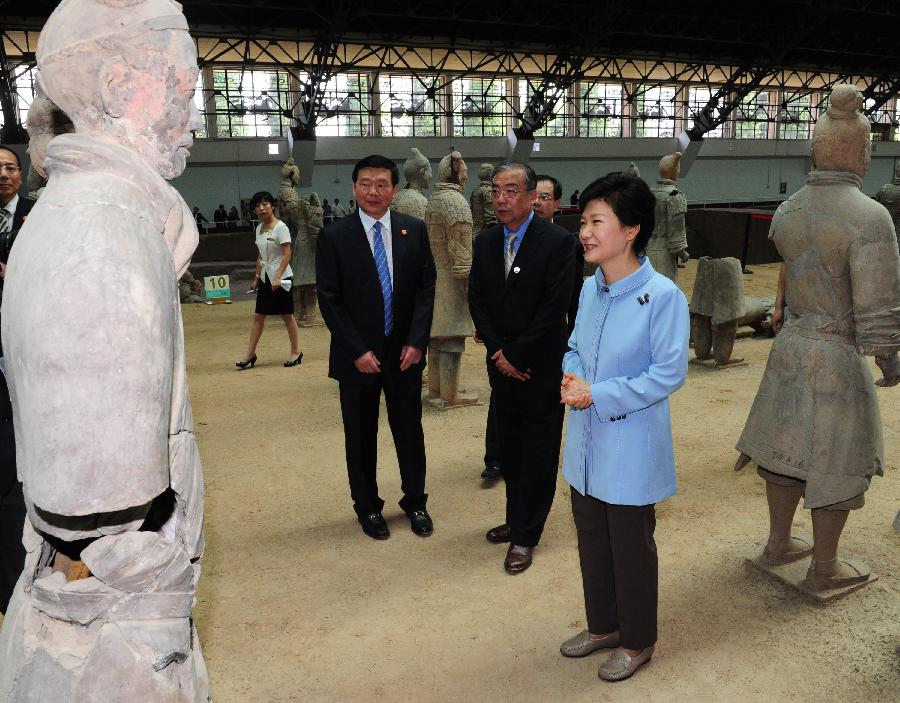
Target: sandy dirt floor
296	604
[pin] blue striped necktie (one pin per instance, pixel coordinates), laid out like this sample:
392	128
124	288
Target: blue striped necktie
384	276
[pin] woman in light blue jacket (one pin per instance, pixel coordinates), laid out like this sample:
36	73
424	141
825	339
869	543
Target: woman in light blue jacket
628	353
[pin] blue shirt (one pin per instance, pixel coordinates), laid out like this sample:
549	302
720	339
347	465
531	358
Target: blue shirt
507	233
630	343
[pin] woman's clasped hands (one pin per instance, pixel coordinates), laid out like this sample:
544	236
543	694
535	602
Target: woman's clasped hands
575	391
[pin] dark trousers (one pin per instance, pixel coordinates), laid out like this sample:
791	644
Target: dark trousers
359	409
491	437
12	553
529	423
618	568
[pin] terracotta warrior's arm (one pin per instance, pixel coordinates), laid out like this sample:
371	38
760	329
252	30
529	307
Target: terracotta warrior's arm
778	310
459	249
677	240
875	283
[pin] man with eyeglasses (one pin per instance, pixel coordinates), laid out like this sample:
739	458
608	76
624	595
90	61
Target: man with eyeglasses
376	277
13	209
520	288
549	197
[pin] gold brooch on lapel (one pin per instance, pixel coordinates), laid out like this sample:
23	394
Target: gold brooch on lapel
403	232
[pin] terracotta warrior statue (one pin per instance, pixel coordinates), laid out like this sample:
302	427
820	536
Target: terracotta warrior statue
449	222
292	209
717	303
303	263
480	201
633	170
668	244
815	429
411	200
105	442
889	196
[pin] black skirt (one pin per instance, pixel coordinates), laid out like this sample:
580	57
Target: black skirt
269	302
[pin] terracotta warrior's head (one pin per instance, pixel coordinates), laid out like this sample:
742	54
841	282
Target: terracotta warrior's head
485	171
841	137
670	166
453	169
417	170
289	170
314	200
125	71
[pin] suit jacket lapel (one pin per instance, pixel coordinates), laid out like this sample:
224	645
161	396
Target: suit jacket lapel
359	243
531	243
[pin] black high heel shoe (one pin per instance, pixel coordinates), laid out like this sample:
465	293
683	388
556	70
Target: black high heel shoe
294	362
251	362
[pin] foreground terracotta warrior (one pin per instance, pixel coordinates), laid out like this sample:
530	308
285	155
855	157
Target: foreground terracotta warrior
889	196
411	200
449	223
106	448
668	245
814	428
481	202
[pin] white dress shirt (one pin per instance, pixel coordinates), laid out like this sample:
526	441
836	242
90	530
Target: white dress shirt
368	223
269	246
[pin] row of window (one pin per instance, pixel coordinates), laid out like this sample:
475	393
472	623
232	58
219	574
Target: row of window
240	102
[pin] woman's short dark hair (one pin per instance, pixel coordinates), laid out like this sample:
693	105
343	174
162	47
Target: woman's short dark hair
630	199
261	196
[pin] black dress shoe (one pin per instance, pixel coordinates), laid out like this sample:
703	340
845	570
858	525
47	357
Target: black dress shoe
420	522
499	535
374	526
492	473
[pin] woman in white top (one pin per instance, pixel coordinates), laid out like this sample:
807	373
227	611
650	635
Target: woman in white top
273	279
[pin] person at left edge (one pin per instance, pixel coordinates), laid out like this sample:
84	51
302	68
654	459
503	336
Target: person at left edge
375	277
13	211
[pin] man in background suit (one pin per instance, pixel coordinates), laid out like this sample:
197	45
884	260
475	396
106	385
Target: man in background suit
520	288
376	276
13	210
548	203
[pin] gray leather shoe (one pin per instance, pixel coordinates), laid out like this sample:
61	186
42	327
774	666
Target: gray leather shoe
621	665
581	644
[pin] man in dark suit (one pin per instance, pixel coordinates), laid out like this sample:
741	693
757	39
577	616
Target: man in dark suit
520	288
13	210
375	277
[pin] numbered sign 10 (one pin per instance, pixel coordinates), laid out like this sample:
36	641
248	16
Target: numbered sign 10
218	288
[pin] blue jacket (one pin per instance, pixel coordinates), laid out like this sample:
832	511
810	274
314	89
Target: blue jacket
630	343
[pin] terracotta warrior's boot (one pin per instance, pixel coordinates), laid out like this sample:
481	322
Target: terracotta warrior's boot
701	335
449	376
723	342
826	571
782	547
434	372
